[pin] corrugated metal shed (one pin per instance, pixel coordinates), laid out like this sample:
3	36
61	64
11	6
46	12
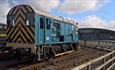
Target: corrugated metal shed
96	34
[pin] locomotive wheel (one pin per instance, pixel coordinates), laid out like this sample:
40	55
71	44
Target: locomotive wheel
74	46
49	54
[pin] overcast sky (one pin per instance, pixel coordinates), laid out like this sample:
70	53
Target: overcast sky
88	13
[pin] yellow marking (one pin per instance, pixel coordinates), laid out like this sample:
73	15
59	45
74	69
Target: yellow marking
7	29
19	19
20	13
16	29
19	33
29	32
15	10
23	9
19	39
25	40
29	8
16	35
11	44
26	34
3	35
10	32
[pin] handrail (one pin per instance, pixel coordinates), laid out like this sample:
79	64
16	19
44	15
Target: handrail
92	61
96	43
111	66
100	67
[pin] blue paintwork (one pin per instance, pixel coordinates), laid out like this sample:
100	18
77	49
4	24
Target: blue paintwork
36	30
49	36
62	25
48	32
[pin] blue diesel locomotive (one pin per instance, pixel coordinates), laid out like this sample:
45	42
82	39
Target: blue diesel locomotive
40	34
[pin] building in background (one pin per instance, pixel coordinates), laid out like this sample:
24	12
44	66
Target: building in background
96	34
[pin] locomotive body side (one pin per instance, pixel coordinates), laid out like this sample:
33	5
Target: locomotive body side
52	34
42	36
51	31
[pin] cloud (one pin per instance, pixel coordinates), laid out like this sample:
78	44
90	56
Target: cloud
67	6
96	22
45	5
111	25
4	8
78	6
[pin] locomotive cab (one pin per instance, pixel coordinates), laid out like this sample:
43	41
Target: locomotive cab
20	29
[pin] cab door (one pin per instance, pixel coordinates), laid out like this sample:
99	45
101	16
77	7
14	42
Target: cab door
41	30
48	30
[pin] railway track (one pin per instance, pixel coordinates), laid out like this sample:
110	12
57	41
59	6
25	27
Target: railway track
64	62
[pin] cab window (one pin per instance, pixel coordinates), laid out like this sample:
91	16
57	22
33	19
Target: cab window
29	19
41	23
48	23
10	20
